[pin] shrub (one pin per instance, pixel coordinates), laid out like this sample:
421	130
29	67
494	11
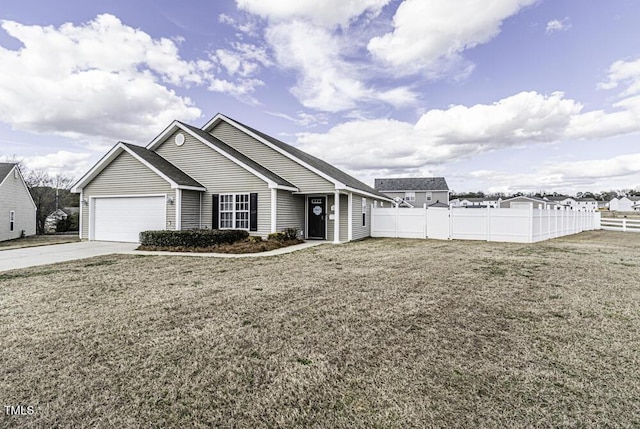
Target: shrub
287	234
254	239
276	236
192	238
291	233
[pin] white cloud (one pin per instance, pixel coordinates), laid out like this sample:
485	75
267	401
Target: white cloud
624	72
460	132
303	119
620	172
430	35
327	13
71	164
558	25
325	81
100	80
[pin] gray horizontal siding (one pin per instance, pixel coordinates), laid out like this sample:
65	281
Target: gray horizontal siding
125	175
360	231
14	196
305	179
290	211
219	175
190	216
421	197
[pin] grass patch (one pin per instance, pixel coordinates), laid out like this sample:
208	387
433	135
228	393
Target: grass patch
38	240
409	333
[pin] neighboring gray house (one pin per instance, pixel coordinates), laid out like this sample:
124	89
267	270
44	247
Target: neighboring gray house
535	202
224	175
17	209
415	191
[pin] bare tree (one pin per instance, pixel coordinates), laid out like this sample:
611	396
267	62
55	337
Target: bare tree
45	191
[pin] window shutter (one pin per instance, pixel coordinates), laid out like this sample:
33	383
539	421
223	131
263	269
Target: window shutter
215	211
253	212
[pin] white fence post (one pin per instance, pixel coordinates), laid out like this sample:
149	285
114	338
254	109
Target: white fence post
424	220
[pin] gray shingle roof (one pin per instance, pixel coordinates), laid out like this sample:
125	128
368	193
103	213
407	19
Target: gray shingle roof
5	168
412	184
164	166
239	156
316	163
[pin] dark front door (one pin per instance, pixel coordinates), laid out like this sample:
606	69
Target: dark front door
316	217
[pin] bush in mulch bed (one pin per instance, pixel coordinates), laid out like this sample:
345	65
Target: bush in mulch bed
213	241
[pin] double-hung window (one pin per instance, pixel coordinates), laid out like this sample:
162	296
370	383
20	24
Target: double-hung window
12	219
234	211
409	196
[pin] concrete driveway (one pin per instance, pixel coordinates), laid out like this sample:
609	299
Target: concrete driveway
43	255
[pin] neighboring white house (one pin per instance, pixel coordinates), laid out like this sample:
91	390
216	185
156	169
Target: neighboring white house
476	202
586	204
17	209
414	191
51	221
623	204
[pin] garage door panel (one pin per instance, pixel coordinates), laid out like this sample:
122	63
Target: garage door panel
122	219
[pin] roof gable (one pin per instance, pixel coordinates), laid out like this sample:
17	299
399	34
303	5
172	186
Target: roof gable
163	168
411	184
338	177
5	172
5	169
225	150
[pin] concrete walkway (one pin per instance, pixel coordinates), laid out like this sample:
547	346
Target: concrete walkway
42	255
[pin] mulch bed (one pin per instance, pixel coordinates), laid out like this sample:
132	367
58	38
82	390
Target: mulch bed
245	246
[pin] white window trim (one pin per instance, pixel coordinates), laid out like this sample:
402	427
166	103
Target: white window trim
12	220
409	196
233	211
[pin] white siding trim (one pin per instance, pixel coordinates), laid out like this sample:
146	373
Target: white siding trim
336	218
274	209
80	215
350	216
178	203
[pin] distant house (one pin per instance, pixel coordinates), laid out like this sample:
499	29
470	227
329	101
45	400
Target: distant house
414	191
535	202
51	221
225	175
481	202
17	209
623	204
586	204
636	207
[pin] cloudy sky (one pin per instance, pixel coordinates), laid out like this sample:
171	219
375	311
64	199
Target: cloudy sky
495	95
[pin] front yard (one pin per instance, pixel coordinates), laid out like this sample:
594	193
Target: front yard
379	333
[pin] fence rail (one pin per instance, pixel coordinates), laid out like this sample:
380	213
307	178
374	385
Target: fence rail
517	225
616	224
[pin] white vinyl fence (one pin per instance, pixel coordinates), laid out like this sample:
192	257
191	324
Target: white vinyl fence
516	225
625	225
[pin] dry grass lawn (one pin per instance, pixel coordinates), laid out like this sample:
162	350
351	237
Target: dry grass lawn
38	240
381	333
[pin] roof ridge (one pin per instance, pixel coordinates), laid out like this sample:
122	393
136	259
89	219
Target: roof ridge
322	165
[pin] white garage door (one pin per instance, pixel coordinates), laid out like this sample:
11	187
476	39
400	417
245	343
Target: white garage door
122	219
